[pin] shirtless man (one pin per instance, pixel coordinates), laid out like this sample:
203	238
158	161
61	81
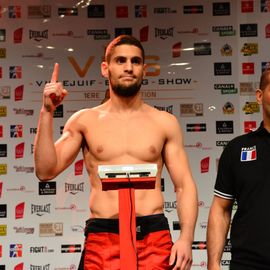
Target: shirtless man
123	130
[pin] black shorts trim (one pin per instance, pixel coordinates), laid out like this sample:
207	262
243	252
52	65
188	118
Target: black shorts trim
144	225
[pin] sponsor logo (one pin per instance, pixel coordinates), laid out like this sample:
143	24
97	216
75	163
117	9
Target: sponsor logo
176	226
164	10
122	11
123	31
222	143
199	245
3	150
17	35
39	267
5	92
176	49
15	250
99	34
74	188
3	53
249	126
78	167
265	6
140	11
3	231
225	262
202	264
40	209
265	66
251	107
39	11
15	72
96	11
1	131
2	35
59	112
144	33
249	48
191	109
247	6
3	169
248	68
203	225
267	31
249	30
51	229
194	9
248	88
228	108
14	12
3	111
67	12
170	206
162	184
228	246
202	48
19	210
226	50
77	228
71	248
3	210
198	145
198	127
168	109
26	112
1	189
223	69
19	266
224	127
47	188
40	249
225	30
24	230
164	33
19	150
226	88
72	207
24	169
205	165
221	9
33	130
38	35
19	93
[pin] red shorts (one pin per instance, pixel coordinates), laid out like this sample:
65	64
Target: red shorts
101	249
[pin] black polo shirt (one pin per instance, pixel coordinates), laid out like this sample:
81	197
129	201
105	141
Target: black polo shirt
244	176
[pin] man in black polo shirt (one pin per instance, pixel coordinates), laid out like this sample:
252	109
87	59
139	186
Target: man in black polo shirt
244	176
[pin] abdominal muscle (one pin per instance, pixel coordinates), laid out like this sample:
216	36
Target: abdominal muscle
104	204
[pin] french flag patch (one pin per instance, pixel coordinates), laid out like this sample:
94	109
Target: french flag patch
248	153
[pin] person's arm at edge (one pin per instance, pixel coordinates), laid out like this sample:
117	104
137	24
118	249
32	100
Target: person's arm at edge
177	164
49	158
217	230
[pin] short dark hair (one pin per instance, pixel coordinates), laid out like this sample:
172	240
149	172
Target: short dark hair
122	40
265	79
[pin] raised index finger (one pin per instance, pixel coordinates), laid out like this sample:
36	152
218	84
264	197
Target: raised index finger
55	73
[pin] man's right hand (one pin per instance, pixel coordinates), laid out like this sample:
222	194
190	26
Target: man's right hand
54	92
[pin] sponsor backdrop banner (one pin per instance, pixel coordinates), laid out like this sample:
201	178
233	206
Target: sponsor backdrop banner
204	63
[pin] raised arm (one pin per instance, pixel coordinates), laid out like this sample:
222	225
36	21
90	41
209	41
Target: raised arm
52	158
217	230
178	167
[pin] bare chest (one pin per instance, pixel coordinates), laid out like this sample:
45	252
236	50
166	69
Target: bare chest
137	140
